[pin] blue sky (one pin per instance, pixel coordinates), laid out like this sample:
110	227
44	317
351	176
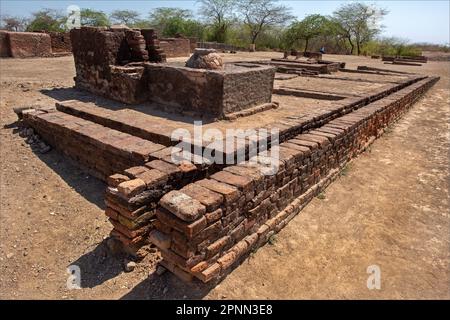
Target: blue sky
418	21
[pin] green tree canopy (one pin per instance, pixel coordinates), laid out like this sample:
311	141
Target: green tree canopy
126	17
47	20
94	18
220	14
172	21
310	27
360	22
258	15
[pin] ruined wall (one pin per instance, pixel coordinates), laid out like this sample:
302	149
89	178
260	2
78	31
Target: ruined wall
25	44
100	150
175	47
5	49
207	228
101	54
210	92
248	88
218	46
60	41
98	55
132	198
193	43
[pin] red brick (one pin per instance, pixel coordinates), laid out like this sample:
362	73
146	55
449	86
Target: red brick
182	205
210	199
210	273
159	239
227	260
116	179
190	229
133	172
153	178
213	216
216	246
131	188
230	193
168	168
242	183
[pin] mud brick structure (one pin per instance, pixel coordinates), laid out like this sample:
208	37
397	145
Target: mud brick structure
116	63
221	47
406	60
206	216
176	47
100	55
212	92
303	67
207	228
5	49
193	43
60	42
25	44
313	55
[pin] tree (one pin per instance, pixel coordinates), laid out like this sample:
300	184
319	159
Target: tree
310	27
169	21
94	18
360	22
46	20
220	13
14	23
173	21
126	17
260	14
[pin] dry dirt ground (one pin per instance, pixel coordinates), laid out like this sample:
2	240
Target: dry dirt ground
389	208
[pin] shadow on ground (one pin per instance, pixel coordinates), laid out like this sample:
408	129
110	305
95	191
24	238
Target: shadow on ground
89	187
167	286
98	266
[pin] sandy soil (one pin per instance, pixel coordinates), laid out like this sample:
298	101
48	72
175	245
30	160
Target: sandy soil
390	208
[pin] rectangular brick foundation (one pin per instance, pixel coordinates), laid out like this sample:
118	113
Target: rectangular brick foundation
180	175
208	227
101	150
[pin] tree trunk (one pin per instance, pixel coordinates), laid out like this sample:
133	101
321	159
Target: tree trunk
306	44
352	46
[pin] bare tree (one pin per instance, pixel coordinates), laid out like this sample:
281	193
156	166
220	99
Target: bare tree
14	23
126	17
360	22
258	15
220	13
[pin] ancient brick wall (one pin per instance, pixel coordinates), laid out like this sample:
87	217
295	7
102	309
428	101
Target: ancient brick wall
25	44
5	49
100	150
208	227
167	175
193	43
241	92
218	46
99	54
175	47
210	92
60	41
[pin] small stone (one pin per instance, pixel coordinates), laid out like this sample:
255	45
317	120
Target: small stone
205	59
160	270
130	266
10	255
